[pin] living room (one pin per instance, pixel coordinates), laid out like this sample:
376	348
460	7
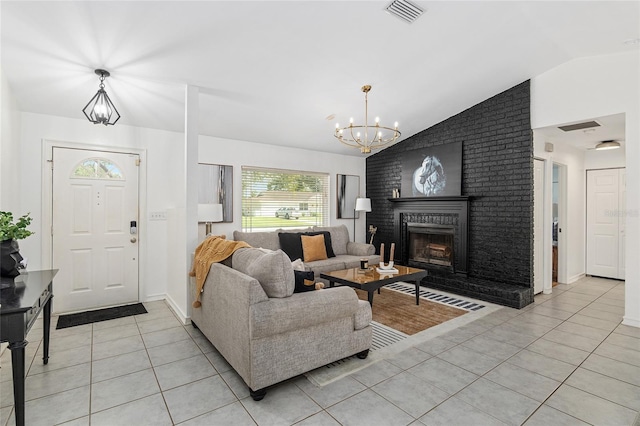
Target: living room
585	86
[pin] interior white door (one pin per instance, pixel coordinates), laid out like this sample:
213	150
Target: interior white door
622	198
603	223
538	226
95	201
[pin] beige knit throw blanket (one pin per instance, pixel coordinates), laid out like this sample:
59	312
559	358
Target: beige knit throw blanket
211	250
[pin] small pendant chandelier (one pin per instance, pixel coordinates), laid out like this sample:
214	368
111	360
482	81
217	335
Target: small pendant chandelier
100	109
372	137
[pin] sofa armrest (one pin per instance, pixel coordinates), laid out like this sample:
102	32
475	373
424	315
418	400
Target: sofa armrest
224	315
302	310
360	249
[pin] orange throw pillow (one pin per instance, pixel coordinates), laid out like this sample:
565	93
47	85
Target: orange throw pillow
313	247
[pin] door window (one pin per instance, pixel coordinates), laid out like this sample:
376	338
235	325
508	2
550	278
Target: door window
97	168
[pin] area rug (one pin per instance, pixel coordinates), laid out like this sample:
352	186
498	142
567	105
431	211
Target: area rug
81	318
399	311
388	342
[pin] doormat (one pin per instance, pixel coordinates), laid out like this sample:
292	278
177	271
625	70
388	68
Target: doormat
81	318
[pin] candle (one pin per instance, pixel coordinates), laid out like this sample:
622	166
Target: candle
393	247
382	253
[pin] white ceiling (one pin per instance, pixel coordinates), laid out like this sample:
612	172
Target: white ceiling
272	71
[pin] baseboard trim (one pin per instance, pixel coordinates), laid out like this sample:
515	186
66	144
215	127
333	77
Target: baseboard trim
633	322
575	278
176	310
155	297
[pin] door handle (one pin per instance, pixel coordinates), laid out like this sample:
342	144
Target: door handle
133	239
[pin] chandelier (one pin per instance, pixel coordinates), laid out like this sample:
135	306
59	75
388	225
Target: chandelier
364	136
100	109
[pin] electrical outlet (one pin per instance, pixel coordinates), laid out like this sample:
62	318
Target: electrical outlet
158	215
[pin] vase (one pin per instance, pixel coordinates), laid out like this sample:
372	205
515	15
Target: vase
9	258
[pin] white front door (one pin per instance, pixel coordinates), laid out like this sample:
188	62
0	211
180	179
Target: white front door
94	202
605	222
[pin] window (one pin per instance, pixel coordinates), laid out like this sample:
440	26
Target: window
97	168
273	199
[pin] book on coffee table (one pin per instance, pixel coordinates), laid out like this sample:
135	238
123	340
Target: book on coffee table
387	271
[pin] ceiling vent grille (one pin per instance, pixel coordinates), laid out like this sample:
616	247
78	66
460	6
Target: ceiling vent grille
404	10
579	126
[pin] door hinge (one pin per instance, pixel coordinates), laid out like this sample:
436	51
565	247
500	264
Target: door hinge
137	161
51	162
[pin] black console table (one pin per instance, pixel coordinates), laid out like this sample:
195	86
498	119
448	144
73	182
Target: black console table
21	301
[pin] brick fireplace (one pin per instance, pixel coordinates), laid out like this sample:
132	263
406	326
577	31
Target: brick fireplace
493	260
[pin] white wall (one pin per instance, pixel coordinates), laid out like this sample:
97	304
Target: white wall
9	150
239	153
593	87
163	160
607	159
161	149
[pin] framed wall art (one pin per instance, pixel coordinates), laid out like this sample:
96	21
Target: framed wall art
215	186
434	171
347	190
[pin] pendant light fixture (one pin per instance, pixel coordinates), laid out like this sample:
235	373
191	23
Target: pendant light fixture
100	109
605	145
373	136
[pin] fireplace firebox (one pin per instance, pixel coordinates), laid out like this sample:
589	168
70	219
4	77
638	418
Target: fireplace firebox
432	232
431	244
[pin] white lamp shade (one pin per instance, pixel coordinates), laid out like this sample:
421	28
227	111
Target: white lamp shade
363	204
210	213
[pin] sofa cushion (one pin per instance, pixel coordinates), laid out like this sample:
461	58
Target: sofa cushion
301	311
319	266
339	237
268	240
313	248
304	281
273	270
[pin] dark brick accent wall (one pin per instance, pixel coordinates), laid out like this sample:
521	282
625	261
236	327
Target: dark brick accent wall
497	176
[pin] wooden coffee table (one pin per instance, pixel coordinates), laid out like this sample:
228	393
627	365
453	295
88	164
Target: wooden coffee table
370	280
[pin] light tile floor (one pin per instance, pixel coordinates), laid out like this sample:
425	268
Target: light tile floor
564	360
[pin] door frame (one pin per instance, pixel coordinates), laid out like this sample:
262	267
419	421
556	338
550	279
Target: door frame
47	205
540	262
563	223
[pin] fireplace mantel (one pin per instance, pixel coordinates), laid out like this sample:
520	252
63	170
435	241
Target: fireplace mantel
452	207
428	199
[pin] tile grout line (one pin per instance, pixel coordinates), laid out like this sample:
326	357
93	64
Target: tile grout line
578	366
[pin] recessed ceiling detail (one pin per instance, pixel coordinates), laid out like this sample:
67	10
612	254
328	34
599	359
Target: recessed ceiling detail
579	126
404	10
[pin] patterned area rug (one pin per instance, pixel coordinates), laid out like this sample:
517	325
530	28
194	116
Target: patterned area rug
388	341
399	311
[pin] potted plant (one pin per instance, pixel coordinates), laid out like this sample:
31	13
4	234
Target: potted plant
10	233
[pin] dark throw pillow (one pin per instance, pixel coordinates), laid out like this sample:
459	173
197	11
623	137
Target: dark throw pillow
304	281
291	244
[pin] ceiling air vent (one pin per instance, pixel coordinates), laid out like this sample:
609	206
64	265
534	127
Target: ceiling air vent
579	126
404	10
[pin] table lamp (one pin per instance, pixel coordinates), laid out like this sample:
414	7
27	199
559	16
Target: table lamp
209	213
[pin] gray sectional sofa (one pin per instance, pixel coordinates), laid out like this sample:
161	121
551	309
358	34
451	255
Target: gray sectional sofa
348	253
266	332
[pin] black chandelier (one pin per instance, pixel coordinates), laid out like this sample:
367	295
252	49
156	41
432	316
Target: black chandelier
100	109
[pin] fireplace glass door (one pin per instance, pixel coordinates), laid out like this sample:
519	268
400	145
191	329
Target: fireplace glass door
431	245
